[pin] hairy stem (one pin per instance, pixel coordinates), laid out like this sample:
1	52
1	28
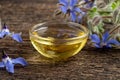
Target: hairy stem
114	29
106	16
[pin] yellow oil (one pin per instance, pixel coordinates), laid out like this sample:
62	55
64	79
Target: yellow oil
57	46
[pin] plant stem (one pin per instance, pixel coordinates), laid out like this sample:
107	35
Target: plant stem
114	29
106	16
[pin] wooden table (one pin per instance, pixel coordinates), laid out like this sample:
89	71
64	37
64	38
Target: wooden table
89	64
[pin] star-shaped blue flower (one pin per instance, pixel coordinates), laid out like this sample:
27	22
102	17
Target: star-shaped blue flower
104	42
9	63
69	7
5	32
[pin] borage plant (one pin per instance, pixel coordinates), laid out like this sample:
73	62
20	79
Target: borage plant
98	15
8	62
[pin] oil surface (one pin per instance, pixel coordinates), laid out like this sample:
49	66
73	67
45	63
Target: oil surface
57	46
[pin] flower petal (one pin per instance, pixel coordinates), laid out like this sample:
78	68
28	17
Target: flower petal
78	10
97	45
95	38
86	1
17	37
20	61
63	9
108	46
2	34
6	31
9	66
64	2
73	16
105	37
89	4
80	17
2	64
113	41
73	2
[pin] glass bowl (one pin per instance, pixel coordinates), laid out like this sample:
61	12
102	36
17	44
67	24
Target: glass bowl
58	39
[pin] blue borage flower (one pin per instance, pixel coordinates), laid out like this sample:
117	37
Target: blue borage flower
69	7
104	42
9	63
5	32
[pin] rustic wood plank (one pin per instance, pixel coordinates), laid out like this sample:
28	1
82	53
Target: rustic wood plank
89	64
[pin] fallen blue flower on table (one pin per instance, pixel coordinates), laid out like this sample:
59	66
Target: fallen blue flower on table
105	42
9	63
5	32
69	7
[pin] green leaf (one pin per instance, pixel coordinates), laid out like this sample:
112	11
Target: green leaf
115	4
90	26
98	28
92	13
116	16
94	9
105	12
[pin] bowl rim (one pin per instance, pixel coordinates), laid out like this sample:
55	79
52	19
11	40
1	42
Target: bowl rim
73	38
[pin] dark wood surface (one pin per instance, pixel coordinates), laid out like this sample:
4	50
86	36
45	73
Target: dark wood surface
89	64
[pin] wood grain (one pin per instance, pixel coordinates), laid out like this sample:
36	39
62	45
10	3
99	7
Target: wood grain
89	64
